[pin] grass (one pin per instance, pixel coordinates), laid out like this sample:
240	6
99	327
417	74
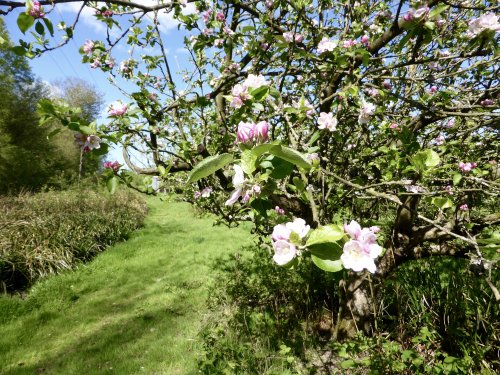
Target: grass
135	309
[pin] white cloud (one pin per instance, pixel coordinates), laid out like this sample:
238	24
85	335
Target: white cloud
86	16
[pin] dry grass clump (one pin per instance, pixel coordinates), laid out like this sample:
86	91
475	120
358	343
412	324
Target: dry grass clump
44	233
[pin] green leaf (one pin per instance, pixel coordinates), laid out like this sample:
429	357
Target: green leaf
85	129
24	22
280	168
457	177
424	160
248	160
112	184
327	233
259	93
262	149
39	28
208	166
2	40
291	155
442	203
349	363
19	50
438	10
326	256
49	25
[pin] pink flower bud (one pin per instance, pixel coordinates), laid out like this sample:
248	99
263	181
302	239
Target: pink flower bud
220	17
262	129
246	132
487	102
464	207
433	89
365	39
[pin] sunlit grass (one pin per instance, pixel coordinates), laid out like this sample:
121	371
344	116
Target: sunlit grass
137	308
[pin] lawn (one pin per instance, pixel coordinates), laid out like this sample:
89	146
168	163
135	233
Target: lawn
135	309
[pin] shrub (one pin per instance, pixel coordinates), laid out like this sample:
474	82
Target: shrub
270	320
45	233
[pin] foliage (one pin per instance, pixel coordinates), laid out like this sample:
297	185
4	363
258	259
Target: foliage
28	158
435	318
135	308
49	232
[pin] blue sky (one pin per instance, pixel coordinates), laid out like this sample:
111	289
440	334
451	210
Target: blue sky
66	61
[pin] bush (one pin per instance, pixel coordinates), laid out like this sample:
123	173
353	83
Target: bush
48	232
270	320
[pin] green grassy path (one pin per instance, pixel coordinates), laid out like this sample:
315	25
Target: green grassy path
135	309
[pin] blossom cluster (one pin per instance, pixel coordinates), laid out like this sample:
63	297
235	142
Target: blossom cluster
117	109
36	10
327	121
112	165
240	92
252	132
286	238
362	249
466	167
487	21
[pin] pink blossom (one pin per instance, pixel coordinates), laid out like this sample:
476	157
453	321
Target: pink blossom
448	189
107	13
218	42
367	110
281	232
220	17
117	109
349	43
327	121
88	47
254	81
298	38
487	21
439	140
288	35
299	227
373	92
206	192
197	195
279	210
207	15
466	167
326	45
36	10
246	132
361	251
207	31
240	94
269	3
394	126
450	124
112	165
261	130
365	40
433	89
96	63
464	207
87	142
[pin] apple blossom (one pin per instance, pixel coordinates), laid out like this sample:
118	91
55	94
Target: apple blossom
361	251
88	47
261	131
348	43
206	192
326	45
487	21
87	142
238	183
299	227
327	121
279	210
112	165
284	252
281	232
288	35
36	10
466	167
367	110
464	207
365	40
487	102
245	132
117	109
220	17
254	81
